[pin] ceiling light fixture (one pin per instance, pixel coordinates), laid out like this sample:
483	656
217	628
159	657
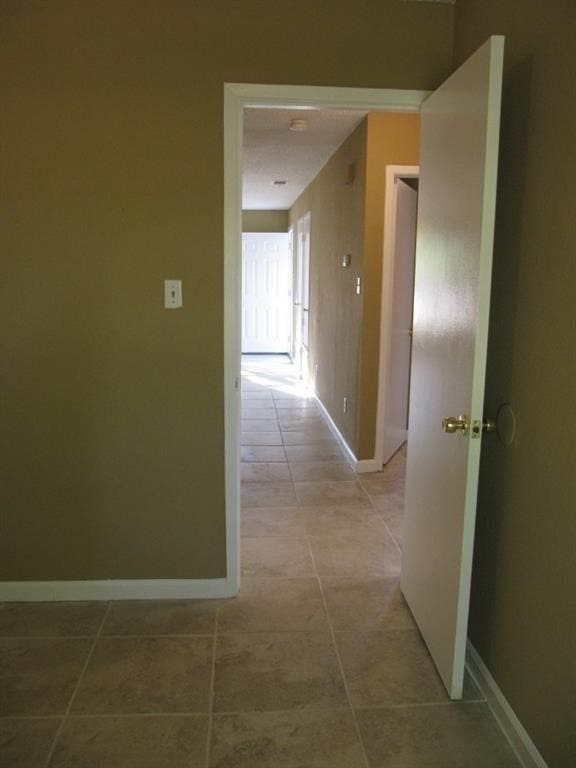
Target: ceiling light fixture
298	124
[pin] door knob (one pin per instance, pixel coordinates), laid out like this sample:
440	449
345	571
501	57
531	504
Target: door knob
452	424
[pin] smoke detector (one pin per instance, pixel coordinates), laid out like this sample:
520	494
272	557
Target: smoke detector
298	124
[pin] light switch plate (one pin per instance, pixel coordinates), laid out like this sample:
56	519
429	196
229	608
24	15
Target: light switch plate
172	294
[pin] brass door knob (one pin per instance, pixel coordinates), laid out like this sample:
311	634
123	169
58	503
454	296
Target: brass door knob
452	424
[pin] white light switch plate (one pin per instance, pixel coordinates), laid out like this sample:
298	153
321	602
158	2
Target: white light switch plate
172	294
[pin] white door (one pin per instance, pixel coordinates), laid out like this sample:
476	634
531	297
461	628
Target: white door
292	253
266	270
301	294
398	383
304	234
296	299
457	196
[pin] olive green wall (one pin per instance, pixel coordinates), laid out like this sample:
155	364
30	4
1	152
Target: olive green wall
111	133
336	229
392	140
523	612
349	219
265	221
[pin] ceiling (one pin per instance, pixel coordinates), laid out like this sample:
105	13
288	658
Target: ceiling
273	152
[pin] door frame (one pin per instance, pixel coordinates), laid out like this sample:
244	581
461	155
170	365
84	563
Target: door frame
302	292
296	295
393	173
238	96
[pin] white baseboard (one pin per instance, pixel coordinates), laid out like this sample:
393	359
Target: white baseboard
512	728
367	465
132	589
358	465
337	434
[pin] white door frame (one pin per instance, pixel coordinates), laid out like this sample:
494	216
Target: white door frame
292	280
303	292
393	172
237	96
297	297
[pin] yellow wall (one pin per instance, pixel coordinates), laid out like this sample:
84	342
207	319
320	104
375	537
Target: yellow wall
111	133
393	139
265	221
523	611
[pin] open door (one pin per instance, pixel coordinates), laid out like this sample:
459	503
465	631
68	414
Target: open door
457	196
301	296
403	223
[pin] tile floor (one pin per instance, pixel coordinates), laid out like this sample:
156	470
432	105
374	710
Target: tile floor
317	663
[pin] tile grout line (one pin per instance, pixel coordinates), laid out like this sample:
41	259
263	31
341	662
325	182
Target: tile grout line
374	509
298	503
46	637
77	686
200	715
106	716
114	636
381	516
338	658
385	524
211	689
422	704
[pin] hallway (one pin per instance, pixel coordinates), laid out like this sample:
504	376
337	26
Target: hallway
317	663
321	553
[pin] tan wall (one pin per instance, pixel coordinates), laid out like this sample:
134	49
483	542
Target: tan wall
523	615
350	219
336	229
111	132
265	221
393	139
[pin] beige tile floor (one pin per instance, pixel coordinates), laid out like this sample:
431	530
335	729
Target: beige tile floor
317	663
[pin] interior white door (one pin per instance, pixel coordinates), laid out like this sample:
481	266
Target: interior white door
293	280
266	270
297	300
398	383
457	197
304	231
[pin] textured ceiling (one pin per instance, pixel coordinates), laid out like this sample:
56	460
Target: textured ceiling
273	152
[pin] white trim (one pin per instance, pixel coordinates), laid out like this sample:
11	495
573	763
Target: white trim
237	96
232	326
131	589
367	465
313	97
358	465
505	716
393	172
337	434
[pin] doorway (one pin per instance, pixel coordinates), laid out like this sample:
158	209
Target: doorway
399	252
455	146
237	97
